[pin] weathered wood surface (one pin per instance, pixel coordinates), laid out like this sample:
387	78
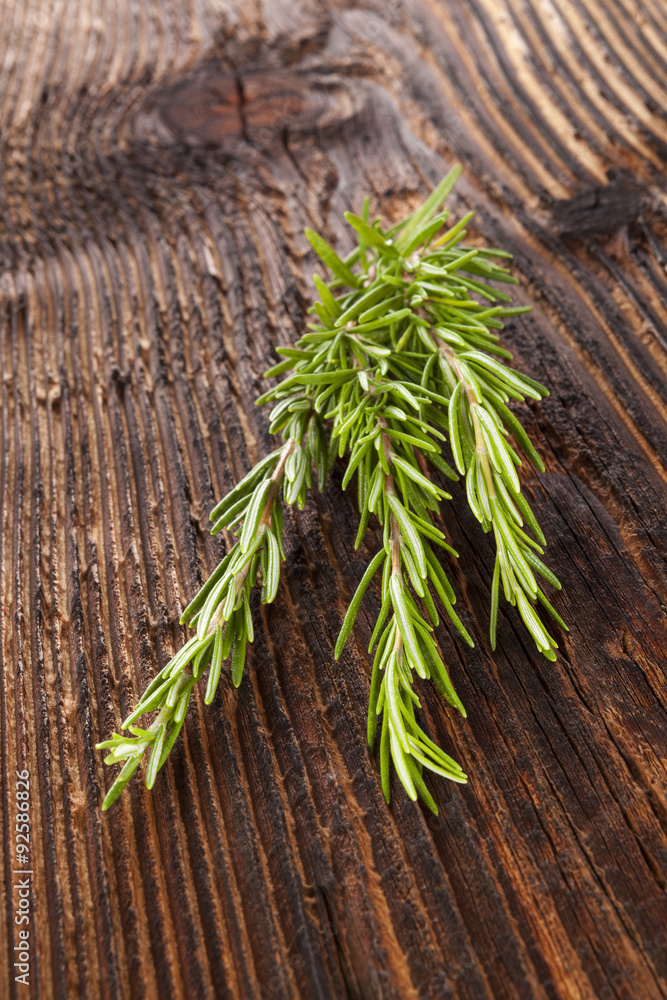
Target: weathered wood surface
159	163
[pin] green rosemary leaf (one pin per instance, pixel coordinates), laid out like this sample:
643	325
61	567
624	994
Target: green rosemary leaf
410	439
216	667
377	294
552	611
355	603
454	439
517	430
228	634
156	754
368	234
216	598
254	514
409	532
174	730
382	617
495	587
330	304
272	575
454	231
420	786
435	199
183	702
384	760
399	759
483	495
399	390
543	570
231	515
455	620
376	681
331	259
149	704
425	233
504	374
438	577
121	781
382	321
532	622
238	658
471	490
522	504
498	449
426	527
363	524
279	368
516	556
246	483
403	618
454	774
202	659
419	478
431	609
159	678
413	573
323	378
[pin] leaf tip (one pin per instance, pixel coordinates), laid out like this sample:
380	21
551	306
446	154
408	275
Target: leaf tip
110	797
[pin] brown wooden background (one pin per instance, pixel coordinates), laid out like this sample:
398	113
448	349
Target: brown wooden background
159	161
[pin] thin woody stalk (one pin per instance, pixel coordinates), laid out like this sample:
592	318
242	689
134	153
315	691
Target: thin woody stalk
400	365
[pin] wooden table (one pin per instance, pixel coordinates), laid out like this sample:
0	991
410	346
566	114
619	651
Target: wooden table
159	163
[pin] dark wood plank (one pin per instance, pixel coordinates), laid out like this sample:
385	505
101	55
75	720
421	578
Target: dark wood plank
159	164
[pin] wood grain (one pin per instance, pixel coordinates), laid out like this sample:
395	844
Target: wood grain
159	161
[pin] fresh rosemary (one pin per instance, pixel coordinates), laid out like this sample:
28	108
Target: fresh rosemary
402	358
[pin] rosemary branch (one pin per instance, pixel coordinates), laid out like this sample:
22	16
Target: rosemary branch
402	359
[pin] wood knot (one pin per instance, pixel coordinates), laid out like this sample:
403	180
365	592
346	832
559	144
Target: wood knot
217	108
601	210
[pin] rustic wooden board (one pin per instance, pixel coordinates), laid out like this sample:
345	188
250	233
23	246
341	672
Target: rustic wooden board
159	163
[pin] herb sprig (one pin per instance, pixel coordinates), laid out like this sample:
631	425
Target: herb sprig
401	361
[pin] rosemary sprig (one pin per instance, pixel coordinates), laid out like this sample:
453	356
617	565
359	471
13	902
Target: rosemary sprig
401	358
221	610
